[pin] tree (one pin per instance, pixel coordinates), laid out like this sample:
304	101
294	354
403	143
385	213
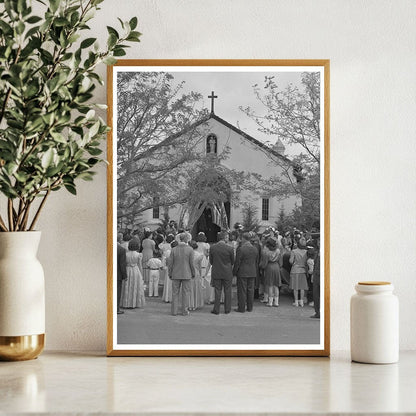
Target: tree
50	134
152	114
293	115
250	219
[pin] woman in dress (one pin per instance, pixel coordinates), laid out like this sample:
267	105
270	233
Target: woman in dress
148	246
197	293
166	248
270	259
133	295
203	248
298	282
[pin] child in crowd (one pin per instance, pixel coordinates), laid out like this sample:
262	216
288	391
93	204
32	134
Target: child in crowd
154	264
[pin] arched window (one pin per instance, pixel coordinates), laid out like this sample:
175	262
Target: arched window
211	144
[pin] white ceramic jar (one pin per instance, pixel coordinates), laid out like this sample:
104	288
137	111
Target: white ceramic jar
374	323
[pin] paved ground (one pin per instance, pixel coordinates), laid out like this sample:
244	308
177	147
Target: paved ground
285	324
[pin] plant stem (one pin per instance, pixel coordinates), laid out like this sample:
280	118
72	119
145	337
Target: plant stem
20	214
39	209
10	213
2	224
26	216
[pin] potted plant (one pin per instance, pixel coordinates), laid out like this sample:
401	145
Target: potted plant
50	135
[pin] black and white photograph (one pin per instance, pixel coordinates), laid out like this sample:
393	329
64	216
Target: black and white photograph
219	217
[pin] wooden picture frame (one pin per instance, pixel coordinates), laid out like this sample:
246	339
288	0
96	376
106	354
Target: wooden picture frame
227	75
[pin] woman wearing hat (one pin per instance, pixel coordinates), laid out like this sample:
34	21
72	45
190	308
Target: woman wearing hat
298	281
270	263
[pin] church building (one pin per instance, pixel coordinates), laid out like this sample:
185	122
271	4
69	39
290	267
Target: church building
244	154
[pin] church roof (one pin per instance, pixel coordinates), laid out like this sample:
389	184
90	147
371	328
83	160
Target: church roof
248	137
213	116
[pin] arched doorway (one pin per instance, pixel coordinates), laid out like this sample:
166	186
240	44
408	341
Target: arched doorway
211	207
210	222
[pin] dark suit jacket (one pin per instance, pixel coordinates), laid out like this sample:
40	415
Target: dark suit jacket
121	263
317	270
247	260
221	258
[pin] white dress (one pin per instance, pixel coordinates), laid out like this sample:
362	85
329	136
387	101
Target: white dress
133	294
167	283
197	292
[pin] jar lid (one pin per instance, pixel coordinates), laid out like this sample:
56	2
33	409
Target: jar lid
374	283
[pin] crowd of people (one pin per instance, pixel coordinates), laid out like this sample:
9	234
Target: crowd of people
194	273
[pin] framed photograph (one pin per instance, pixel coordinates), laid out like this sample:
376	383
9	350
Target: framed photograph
218	208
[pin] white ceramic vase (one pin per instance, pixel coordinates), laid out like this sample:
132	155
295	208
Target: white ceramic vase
374	323
22	296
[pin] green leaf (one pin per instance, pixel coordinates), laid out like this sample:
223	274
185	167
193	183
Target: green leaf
70	188
21	177
33	19
119	52
133	23
21	6
121	22
74	18
47	158
52	171
86	176
10	168
31	31
94	151
54	4
134	36
35	125
61	21
90	115
73	38
87	42
7	30
58	137
110	60
94	129
20	28
112	41
111	30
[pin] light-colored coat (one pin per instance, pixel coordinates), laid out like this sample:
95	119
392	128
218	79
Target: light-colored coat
181	262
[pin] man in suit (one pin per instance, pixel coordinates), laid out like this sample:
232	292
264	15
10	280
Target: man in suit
221	257
181	270
121	273
245	268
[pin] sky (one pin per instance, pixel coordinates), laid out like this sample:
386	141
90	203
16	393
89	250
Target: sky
235	90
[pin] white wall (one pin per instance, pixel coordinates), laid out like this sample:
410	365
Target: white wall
372	49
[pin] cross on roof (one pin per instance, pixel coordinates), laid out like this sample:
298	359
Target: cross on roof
212	96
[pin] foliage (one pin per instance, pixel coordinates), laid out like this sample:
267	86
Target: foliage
250	220
302	217
50	134
293	115
160	133
152	114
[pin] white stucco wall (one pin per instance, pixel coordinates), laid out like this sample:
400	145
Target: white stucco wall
373	146
242	156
